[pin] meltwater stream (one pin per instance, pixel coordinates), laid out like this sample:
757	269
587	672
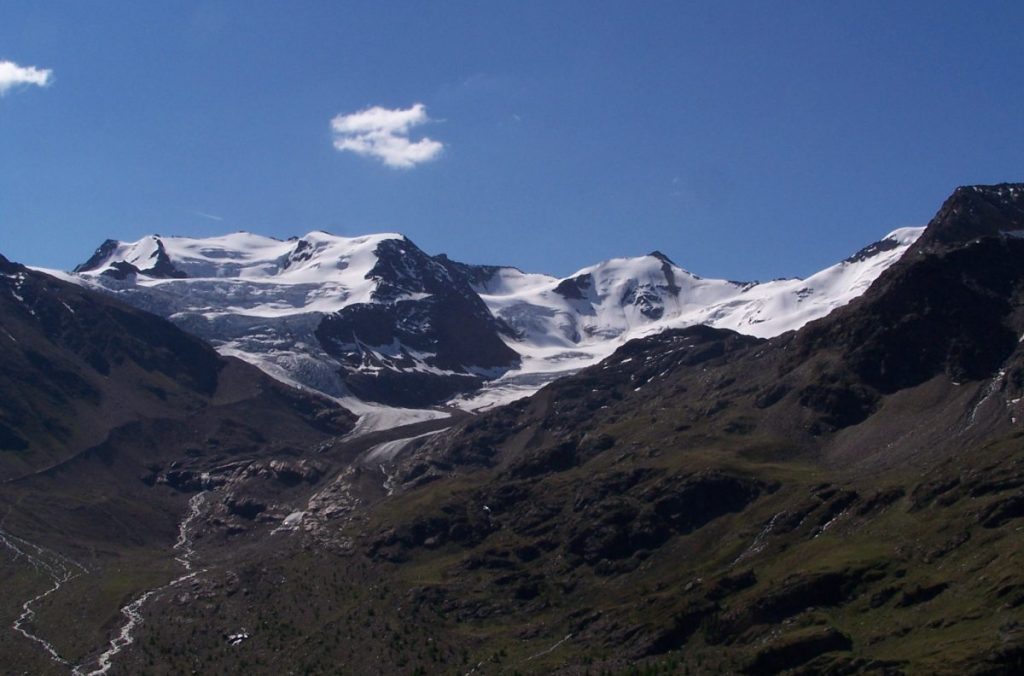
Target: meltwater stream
58	568
61	570
133	611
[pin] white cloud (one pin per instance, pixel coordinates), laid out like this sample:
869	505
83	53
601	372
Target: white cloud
384	134
12	75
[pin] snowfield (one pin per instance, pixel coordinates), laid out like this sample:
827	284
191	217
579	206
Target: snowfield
626	298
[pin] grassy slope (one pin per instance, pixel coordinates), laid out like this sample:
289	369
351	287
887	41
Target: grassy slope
904	569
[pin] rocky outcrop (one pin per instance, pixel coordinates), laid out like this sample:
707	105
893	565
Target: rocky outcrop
427	337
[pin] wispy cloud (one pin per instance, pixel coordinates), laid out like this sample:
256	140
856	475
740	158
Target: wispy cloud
209	216
12	75
383	133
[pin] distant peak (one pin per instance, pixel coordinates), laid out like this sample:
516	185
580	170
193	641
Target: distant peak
1000	194
872	250
99	257
662	257
1009	191
370	237
7	266
975	211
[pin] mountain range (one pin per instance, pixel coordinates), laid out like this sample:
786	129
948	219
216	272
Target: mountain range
818	476
380	325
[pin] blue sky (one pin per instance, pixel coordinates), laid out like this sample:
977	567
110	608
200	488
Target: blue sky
745	140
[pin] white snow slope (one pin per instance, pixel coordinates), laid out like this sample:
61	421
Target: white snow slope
261	299
626	298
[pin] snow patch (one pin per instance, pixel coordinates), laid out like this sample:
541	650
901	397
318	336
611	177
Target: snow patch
388	450
292	522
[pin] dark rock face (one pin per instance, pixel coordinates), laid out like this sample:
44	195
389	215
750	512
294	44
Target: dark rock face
121	270
667	270
545	461
839	405
245	507
661	257
872	250
972	212
646	299
424	315
162	266
921	594
1004	510
10	440
476	276
939	309
800	592
107	334
302	252
575	288
98	257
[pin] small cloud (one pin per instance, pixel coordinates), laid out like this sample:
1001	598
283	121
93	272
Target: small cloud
13	75
383	133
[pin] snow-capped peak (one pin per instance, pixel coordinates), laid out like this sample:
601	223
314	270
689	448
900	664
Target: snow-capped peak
316	257
561	325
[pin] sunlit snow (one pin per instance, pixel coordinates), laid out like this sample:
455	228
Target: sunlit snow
262	299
